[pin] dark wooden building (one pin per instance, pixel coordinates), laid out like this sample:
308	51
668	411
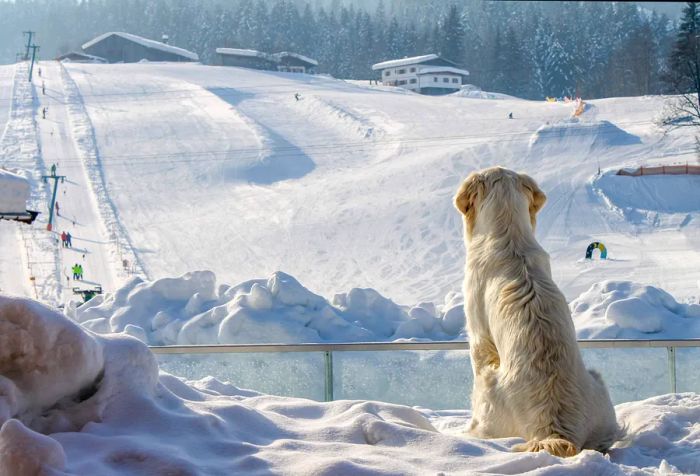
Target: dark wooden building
284	61
246	58
78	57
118	47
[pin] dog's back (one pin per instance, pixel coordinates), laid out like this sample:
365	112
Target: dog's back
537	377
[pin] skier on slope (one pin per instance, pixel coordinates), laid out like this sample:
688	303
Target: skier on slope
64	239
58	213
80	271
76	271
69	240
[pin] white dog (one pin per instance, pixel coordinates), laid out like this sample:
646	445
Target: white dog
529	378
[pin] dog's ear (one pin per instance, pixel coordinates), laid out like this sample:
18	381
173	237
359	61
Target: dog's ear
465	199
536	195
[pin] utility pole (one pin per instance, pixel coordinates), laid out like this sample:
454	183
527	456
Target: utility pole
55	178
29	42
31	67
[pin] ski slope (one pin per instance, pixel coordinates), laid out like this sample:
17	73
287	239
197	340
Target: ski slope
221	168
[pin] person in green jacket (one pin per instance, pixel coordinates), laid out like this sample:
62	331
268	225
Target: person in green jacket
80	272
76	271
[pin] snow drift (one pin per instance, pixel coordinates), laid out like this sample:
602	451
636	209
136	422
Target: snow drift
645	197
108	412
626	310
14	192
193	309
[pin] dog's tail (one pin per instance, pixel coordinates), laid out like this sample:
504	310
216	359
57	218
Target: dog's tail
553	444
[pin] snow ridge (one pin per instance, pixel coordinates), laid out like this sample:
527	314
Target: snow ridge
84	139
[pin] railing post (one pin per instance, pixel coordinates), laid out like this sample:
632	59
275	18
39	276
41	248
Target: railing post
672	367
328	385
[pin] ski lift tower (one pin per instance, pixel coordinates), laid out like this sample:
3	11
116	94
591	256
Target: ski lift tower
52	205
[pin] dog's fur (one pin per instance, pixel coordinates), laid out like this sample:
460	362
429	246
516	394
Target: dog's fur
529	378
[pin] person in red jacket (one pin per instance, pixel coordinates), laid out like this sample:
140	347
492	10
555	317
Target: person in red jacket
63	239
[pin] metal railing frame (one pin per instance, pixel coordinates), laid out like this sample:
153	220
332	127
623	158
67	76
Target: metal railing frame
328	349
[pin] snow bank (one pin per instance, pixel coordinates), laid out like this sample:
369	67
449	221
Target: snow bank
596	134
644	198
14	192
96	405
626	310
193	309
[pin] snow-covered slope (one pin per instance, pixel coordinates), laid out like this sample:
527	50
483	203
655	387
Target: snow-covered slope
221	168
77	403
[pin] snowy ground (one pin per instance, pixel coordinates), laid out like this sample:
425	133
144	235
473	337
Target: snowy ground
97	405
351	186
177	167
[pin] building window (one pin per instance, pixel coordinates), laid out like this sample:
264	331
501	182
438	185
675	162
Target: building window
402	71
413	70
387	73
445	80
401	83
435	79
413	81
455	80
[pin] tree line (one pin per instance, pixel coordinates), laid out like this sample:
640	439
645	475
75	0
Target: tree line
527	49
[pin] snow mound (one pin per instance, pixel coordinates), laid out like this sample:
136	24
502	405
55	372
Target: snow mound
643	198
595	134
193	309
14	192
626	310
56	377
130	420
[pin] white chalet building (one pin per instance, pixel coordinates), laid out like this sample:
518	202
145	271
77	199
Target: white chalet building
427	74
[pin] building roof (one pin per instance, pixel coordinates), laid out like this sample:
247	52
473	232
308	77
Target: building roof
80	54
156	45
276	57
303	58
442	69
248	53
406	61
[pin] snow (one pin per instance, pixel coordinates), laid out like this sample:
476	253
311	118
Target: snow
652	198
144	42
110	412
194	309
14	192
626	310
404	61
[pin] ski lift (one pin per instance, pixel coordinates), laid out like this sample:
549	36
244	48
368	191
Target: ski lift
89	293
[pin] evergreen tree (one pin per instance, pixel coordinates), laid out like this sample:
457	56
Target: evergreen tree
451	36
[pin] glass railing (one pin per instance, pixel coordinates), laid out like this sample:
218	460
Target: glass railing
435	375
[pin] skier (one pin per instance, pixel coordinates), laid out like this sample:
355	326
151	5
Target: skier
64	239
510	115
69	240
43	88
76	271
58	214
297	96
53	170
80	271
43	113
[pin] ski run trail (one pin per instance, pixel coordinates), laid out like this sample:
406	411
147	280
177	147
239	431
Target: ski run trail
179	167
54	120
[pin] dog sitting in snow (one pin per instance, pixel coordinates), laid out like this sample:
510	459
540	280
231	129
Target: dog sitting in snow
529	377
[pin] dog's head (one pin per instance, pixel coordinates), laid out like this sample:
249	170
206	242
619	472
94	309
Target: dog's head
504	188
